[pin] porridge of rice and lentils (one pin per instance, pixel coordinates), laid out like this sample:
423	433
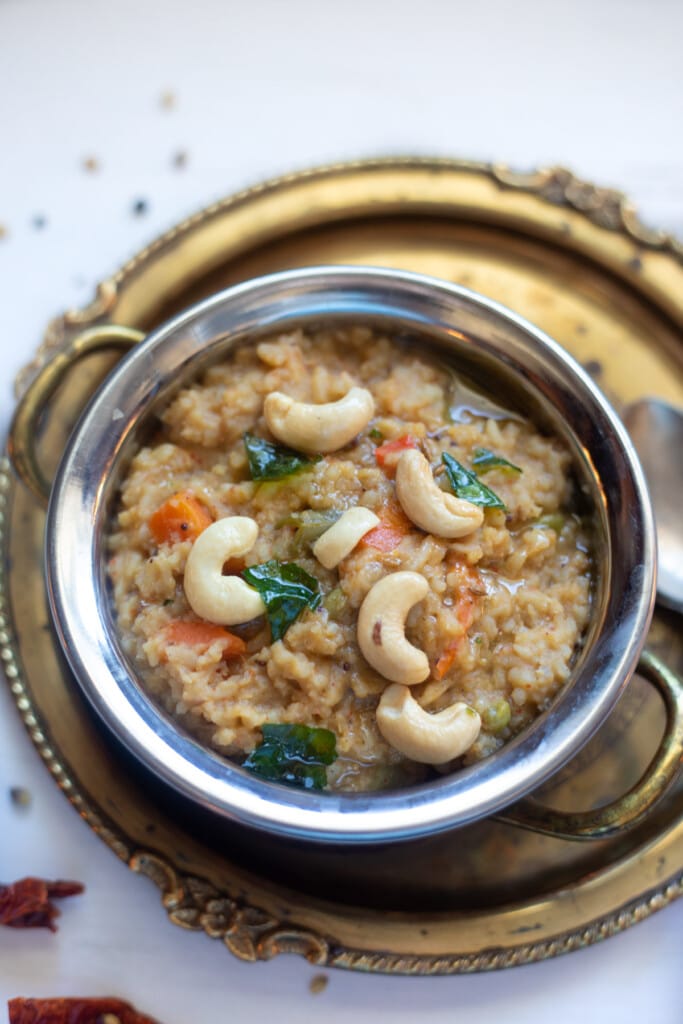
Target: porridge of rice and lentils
329	573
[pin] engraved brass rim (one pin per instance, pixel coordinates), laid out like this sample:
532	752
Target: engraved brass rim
252	923
553	200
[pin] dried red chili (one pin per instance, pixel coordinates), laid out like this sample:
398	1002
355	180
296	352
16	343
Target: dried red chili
75	1011
27	903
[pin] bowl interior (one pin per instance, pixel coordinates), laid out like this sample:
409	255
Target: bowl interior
503	355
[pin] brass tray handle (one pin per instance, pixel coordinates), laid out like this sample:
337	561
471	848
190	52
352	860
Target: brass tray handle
629	809
23	434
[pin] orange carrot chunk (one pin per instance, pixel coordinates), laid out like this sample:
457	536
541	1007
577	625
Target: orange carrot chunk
388	534
447	658
464	613
181	517
201	634
388	454
383	538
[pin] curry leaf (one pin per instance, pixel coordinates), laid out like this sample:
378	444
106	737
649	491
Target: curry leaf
268	461
466	485
295	754
286	589
484	460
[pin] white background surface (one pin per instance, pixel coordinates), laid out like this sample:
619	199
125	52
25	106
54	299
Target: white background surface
261	88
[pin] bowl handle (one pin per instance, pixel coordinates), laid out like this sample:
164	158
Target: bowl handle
23	433
629	809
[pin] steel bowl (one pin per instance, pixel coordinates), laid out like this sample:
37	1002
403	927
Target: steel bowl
486	341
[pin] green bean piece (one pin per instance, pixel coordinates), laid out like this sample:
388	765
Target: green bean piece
496	716
552	521
336	603
310	524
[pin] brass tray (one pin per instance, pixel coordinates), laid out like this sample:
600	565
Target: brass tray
575	260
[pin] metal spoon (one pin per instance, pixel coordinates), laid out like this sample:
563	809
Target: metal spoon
656	430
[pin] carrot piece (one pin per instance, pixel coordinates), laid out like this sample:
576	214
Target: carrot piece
388	454
181	517
464	613
388	534
383	538
201	634
447	658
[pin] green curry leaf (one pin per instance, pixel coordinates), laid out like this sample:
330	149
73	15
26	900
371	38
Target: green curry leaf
484	460
294	754
466	485
286	590
268	461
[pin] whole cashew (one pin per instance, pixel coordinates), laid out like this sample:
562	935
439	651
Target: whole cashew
422	737
342	537
430	508
227	600
381	628
318	428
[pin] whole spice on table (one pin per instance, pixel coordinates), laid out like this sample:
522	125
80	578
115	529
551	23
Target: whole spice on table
28	902
75	1011
20	796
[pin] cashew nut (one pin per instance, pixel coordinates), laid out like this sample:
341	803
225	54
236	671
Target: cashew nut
422	737
227	600
381	628
342	537
318	428
430	508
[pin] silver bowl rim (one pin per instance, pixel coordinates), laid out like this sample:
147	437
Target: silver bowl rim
82	492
